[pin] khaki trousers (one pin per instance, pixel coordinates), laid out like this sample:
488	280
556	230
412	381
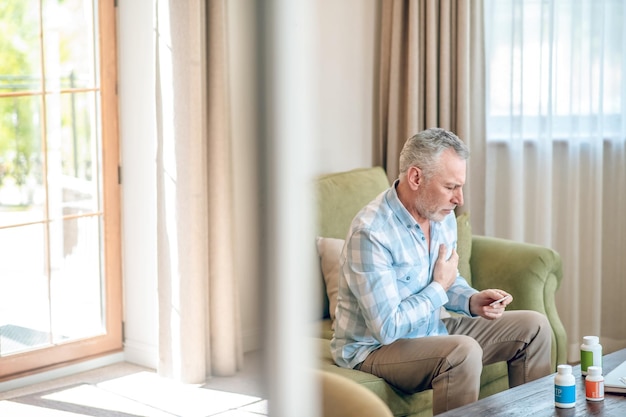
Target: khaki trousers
451	365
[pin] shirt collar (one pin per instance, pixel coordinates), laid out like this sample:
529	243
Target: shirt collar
401	213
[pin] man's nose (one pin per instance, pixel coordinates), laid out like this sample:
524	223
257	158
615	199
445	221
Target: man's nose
458	197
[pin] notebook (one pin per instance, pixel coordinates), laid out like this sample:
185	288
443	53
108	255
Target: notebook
612	381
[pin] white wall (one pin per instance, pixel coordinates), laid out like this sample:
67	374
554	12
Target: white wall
347	46
138	149
346	57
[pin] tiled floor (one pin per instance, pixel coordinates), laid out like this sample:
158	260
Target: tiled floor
126	390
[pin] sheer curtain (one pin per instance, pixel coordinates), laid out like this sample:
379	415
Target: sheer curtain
556	159
431	75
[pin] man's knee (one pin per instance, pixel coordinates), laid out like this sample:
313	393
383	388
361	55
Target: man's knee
537	324
536	317
467	353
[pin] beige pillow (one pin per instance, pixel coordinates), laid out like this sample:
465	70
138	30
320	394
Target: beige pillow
329	250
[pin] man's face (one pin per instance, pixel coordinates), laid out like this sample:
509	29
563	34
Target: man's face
440	194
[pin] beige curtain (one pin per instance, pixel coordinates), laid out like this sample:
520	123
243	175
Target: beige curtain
199	324
431	75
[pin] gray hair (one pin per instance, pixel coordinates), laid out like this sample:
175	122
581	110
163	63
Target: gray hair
423	149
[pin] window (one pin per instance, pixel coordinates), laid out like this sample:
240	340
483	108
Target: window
555	69
60	280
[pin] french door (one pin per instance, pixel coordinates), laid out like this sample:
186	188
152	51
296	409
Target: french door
60	279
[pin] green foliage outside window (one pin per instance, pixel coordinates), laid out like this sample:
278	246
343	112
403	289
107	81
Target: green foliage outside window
19	124
69	64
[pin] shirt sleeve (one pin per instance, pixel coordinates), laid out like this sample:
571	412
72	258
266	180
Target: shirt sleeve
459	295
372	277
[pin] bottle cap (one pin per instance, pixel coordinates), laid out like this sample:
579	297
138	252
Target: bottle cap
564	369
594	371
591	340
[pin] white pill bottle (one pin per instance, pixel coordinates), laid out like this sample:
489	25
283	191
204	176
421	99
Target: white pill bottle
564	387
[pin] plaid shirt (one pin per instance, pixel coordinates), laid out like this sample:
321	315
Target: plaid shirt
386	290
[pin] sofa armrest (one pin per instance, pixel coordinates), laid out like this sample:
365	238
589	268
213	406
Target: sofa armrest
531	273
342	397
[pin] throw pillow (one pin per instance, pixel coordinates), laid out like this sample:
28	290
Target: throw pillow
329	250
464	245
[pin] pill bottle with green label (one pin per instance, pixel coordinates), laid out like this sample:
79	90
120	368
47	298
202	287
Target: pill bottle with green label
590	353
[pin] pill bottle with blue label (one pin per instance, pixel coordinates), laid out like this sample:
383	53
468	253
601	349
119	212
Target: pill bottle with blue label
564	387
590	353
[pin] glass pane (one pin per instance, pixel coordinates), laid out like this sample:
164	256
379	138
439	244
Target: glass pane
69	44
52	288
19	46
79	161
22	195
76	285
24	317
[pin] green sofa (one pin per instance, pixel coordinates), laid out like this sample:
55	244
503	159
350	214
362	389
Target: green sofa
531	273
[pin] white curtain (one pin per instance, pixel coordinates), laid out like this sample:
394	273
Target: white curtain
556	158
199	323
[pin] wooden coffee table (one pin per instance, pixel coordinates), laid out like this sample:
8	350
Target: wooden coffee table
536	399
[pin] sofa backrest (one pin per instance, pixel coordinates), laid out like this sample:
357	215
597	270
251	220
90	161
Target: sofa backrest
341	195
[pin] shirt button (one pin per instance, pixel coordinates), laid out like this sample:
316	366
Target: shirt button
423	238
407	278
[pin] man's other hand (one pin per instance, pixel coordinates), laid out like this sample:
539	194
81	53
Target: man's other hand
481	303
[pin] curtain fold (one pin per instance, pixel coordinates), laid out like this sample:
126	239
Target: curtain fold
430	75
224	331
199	329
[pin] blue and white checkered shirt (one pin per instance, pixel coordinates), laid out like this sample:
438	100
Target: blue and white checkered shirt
386	291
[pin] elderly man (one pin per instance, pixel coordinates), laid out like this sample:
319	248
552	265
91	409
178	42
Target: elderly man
399	267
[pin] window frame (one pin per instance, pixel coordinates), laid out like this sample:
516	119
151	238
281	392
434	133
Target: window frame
49	357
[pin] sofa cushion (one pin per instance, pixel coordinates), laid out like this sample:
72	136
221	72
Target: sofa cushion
329	250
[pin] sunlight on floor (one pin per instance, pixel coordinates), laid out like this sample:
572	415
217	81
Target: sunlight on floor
95	397
137	394
175	398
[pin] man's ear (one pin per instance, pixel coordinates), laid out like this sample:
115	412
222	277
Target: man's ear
414	177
